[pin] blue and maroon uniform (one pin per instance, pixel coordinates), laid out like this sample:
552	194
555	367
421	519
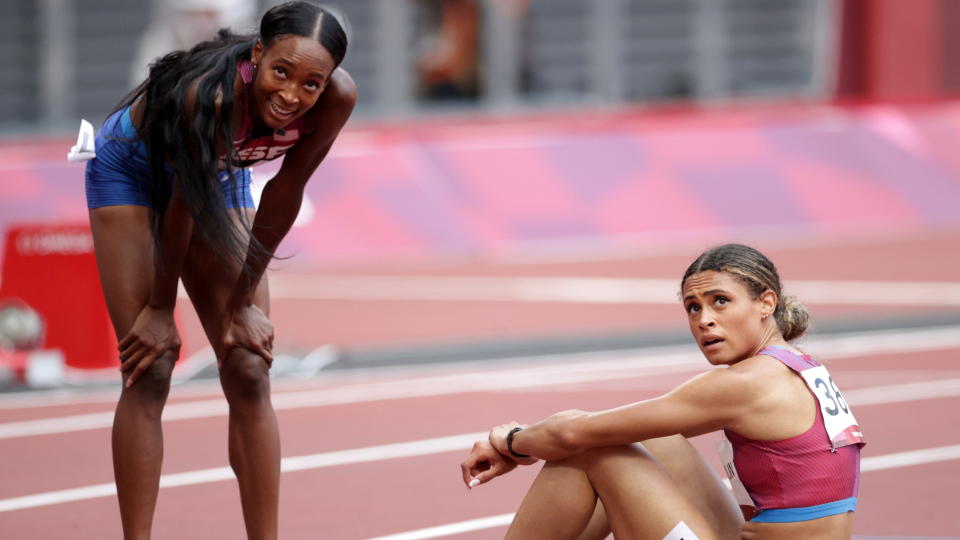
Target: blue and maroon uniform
811	475
118	173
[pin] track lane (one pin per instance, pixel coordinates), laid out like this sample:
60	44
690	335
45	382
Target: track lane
385	497
411	487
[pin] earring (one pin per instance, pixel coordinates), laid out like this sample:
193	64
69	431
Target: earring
765	316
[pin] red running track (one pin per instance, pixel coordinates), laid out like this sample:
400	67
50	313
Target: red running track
346	477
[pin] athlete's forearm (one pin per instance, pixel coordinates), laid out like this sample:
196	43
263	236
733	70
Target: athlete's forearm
174	240
277	211
553	438
282	196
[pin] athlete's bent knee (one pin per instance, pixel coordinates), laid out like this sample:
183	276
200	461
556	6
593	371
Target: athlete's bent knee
245	376
603	455
154	383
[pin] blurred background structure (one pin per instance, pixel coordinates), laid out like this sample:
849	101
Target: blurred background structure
75	58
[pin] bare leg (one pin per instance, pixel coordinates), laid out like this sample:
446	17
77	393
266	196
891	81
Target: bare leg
641	497
558	506
124	252
695	480
137	442
599	526
254	439
698	483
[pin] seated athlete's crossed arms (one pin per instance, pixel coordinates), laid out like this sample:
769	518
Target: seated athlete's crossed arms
790	447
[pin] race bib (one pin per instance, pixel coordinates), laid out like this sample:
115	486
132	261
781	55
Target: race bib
681	532
725	450
841	426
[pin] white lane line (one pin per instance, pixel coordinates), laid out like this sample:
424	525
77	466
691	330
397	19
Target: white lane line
912	457
556	370
874	463
450	529
895	393
297	463
387	390
392	451
80	394
596	290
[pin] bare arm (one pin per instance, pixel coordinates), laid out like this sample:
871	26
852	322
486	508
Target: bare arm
703	404
283	194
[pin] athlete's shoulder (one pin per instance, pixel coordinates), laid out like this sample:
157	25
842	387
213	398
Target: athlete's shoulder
749	378
343	86
726	385
334	107
339	97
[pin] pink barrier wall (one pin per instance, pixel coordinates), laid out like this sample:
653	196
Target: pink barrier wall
486	186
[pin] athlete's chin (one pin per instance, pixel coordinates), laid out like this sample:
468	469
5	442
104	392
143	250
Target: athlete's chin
715	361
719	357
277	120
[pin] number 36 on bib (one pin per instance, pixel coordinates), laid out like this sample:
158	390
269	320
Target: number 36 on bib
841	426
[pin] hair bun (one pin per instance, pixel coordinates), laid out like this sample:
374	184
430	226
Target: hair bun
792	317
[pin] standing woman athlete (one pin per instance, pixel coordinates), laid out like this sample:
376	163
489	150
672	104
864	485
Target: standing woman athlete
169	199
791	446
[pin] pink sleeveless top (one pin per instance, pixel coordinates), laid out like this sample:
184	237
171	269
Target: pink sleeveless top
800	471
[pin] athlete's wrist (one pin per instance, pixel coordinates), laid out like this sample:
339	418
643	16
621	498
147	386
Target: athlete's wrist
513	453
239	302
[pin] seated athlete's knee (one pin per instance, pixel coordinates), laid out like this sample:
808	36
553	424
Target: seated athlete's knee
245	376
601	458
672	444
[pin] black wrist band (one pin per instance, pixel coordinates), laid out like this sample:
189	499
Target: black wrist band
510	444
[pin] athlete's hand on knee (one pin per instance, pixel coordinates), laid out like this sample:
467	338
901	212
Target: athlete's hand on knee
484	464
249	328
153	333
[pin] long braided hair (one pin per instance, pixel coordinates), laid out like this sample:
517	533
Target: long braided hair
195	147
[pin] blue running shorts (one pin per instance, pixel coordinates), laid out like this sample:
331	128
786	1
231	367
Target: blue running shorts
117	175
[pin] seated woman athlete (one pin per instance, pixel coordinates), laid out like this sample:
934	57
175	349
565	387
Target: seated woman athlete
791	445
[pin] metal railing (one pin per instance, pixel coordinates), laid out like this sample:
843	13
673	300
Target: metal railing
552	53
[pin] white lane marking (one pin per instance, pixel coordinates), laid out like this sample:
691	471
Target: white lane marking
297	463
188	386
393	451
557	370
450	529
895	393
874	463
592	290
912	457
446	288
75	393
886	293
